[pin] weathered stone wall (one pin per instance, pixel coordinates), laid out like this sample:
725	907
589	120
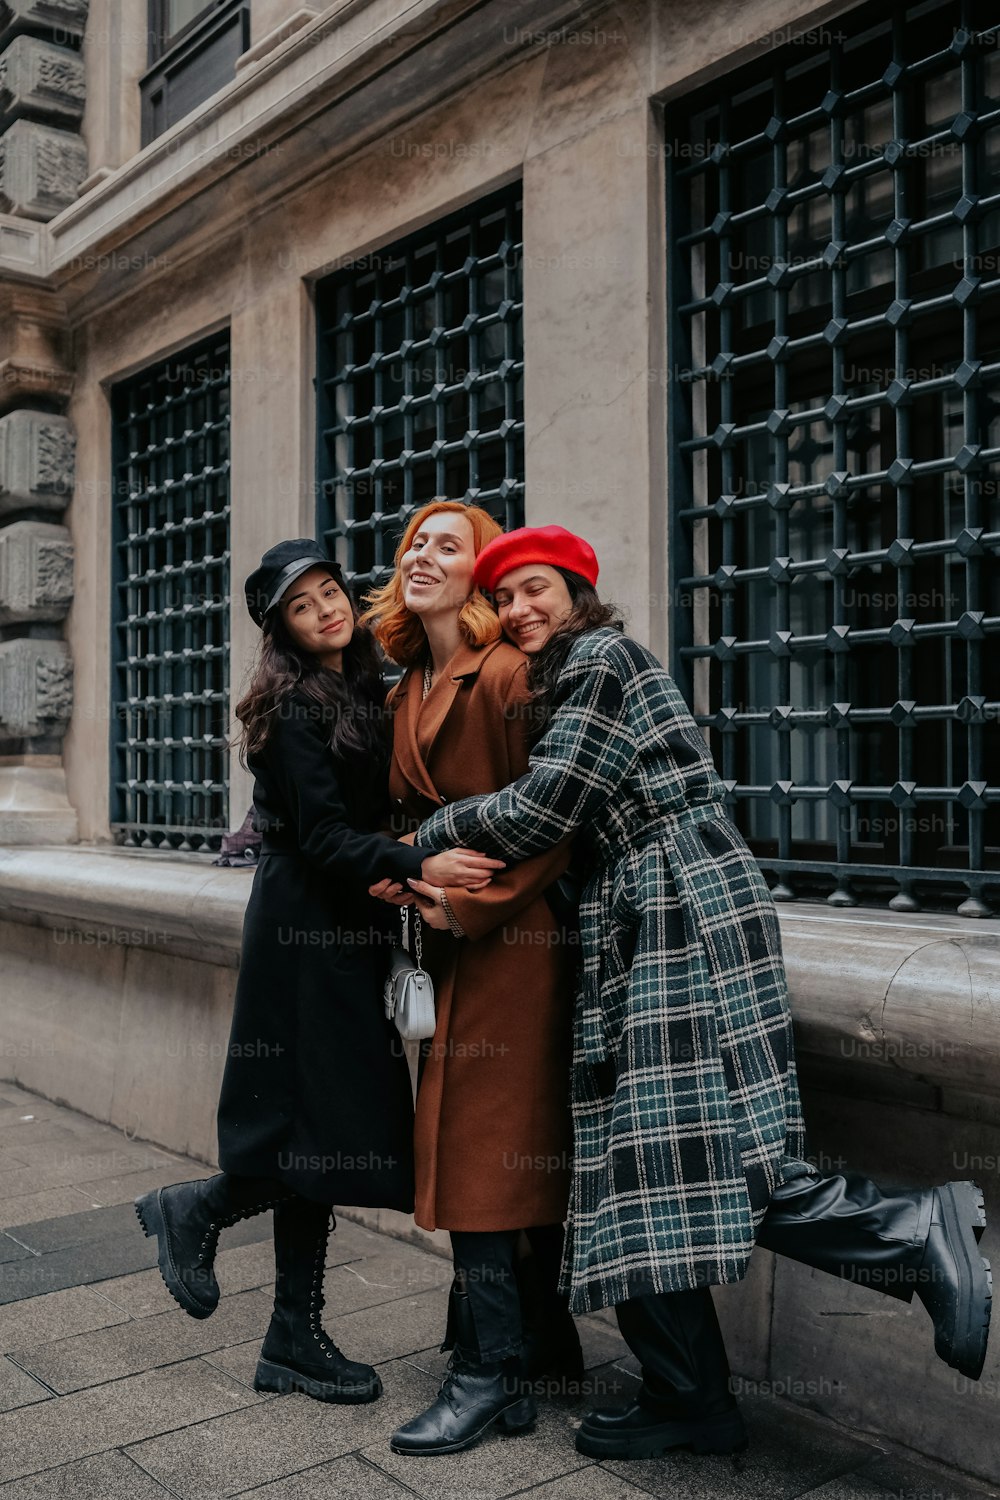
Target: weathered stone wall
43	161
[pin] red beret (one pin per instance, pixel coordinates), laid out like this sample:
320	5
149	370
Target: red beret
534	544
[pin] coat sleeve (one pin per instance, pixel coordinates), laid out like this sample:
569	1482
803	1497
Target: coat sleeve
576	768
514	889
305	773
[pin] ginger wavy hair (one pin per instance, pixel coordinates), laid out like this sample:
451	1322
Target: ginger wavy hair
397	629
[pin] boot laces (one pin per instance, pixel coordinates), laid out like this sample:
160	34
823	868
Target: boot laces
316	1304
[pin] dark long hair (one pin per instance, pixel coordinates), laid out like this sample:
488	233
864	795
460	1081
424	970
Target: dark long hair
351	701
589	612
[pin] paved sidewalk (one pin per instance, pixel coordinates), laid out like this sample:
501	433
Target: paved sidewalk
109	1392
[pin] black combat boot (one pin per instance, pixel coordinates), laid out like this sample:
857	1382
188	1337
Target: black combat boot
923	1241
685	1399
297	1355
186	1219
474	1397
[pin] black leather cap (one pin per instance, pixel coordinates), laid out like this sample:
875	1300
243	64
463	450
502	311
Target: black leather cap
279	567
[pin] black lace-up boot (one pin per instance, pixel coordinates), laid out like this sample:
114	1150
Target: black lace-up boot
297	1355
474	1396
186	1219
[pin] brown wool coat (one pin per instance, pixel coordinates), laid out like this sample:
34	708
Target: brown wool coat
493	1135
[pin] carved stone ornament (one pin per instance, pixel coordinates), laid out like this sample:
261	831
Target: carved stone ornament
41	169
36	689
36	77
36	572
36	461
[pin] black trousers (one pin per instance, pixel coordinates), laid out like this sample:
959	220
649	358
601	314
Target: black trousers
486	1273
841	1223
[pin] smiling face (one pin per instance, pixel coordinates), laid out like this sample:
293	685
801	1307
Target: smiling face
318	616
436	570
532	603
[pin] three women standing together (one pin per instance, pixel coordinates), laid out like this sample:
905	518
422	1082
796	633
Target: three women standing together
523	737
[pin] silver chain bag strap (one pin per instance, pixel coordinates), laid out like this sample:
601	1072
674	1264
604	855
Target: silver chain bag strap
409	990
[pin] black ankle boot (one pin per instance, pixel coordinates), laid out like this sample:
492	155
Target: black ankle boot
297	1355
474	1395
648	1429
685	1399
186	1219
472	1399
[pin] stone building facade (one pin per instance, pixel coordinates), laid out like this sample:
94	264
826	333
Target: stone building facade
715	286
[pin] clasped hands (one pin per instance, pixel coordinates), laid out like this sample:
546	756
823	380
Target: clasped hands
457	867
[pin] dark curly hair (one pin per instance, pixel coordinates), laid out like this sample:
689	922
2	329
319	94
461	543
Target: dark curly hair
351	701
589	612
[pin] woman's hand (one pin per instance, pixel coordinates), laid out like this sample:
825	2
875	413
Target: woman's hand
462	867
391	891
429	905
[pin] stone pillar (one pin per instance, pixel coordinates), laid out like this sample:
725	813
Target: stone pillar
43	161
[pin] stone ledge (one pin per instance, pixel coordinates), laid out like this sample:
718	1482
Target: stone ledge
896	1001
185	907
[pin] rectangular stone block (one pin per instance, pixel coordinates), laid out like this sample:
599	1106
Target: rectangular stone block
41	169
36	689
36	572
37	451
37	77
64	20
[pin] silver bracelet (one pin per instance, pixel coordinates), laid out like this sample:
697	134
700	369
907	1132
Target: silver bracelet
454	925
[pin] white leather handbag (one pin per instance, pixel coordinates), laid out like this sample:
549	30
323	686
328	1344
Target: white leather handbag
409	989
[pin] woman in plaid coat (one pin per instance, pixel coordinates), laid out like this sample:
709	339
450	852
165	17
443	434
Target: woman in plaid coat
688	1131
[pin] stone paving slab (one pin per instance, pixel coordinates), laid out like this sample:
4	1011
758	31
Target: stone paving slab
31	1208
224	1457
18	1388
106	1476
348	1478
56	1315
122	1250
123	1411
90	1359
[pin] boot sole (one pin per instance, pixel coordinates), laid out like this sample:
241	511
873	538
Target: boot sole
962	1210
283	1380
150	1216
700	1437
520	1417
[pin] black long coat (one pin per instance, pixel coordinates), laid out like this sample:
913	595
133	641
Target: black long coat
316	1089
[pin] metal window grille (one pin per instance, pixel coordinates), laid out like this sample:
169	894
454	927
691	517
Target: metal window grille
834	286
171	601
421	382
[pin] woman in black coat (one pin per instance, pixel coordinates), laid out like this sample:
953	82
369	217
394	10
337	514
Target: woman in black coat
315	1107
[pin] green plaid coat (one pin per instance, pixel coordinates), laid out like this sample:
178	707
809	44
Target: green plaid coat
685	1098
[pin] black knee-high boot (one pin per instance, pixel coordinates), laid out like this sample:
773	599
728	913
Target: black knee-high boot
684	1400
923	1241
186	1219
297	1355
483	1385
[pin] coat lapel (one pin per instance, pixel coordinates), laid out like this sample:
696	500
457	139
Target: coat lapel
426	716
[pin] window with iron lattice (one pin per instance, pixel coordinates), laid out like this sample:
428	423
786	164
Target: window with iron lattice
170	601
834	429
420	382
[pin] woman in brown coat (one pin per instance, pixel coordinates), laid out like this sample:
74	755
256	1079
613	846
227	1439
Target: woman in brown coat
492	1135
